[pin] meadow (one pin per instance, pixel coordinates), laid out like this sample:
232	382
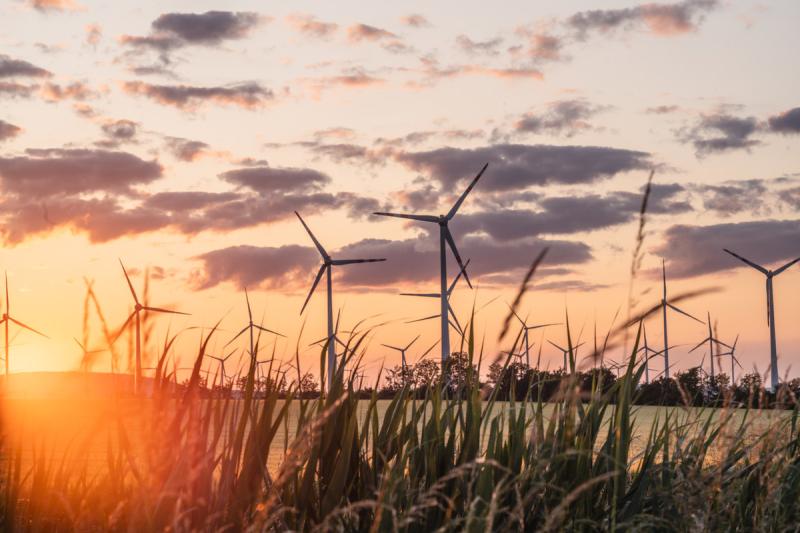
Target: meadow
451	459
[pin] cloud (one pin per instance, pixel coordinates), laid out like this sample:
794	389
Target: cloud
567	117
791	197
660	19
252	266
787	122
10	68
734	197
16	90
44	173
54	5
8	131
364	32
247	95
516	166
185	149
355	78
53	92
415	20
662	109
697	250
94	32
118	132
488	47
309	25
271	180
432	72
720	132
181	201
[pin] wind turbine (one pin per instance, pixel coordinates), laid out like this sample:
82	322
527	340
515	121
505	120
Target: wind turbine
455	324
222	361
525	329
445	239
732	353
565	351
648	354
773	345
711	340
402	351
86	354
327	263
251	326
7	318
138	308
664	305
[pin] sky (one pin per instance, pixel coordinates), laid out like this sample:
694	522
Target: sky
181	137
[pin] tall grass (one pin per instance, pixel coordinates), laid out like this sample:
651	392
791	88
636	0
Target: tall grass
450	461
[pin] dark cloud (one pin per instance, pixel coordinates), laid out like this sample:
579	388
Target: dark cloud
567	117
734	197
696	250
791	197
53	92
182	201
365	32
16	90
540	45
8	131
209	28
270	180
119	132
662	109
50	172
252	266
10	68
185	149
661	19
309	25
516	166
415	20
720	132
787	122
489	47
246	95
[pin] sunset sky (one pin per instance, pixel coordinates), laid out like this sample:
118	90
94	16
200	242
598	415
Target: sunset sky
181	136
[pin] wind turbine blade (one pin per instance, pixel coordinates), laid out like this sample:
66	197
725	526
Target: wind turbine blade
79	344
537	326
557	346
321	250
423	319
8	302
236	336
449	237
128	279
421	294
20	324
249	309
266	330
456	327
461	198
455	318
463	271
412	342
340	262
392	347
784	267
699	344
122	328
426	352
718	342
421	218
313	286
161	310
747	261
684	313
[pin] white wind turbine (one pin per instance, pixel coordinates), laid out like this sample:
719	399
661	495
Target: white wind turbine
327	263
566	351
712	341
664	305
526	328
452	314
445	239
773	344
402	351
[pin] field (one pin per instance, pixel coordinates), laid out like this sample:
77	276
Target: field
451	460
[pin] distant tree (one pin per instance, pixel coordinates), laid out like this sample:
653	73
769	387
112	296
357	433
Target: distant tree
399	377
426	373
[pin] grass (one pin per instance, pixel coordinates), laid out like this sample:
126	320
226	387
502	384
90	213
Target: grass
447	461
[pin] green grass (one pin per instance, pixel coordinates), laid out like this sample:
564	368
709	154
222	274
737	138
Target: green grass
448	461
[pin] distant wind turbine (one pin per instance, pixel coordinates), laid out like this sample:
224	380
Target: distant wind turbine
251	326
222	361
525	329
445	239
773	345
7	318
138	308
712	341
565	351
452	314
327	264
734	360
648	354
402	351
664	305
